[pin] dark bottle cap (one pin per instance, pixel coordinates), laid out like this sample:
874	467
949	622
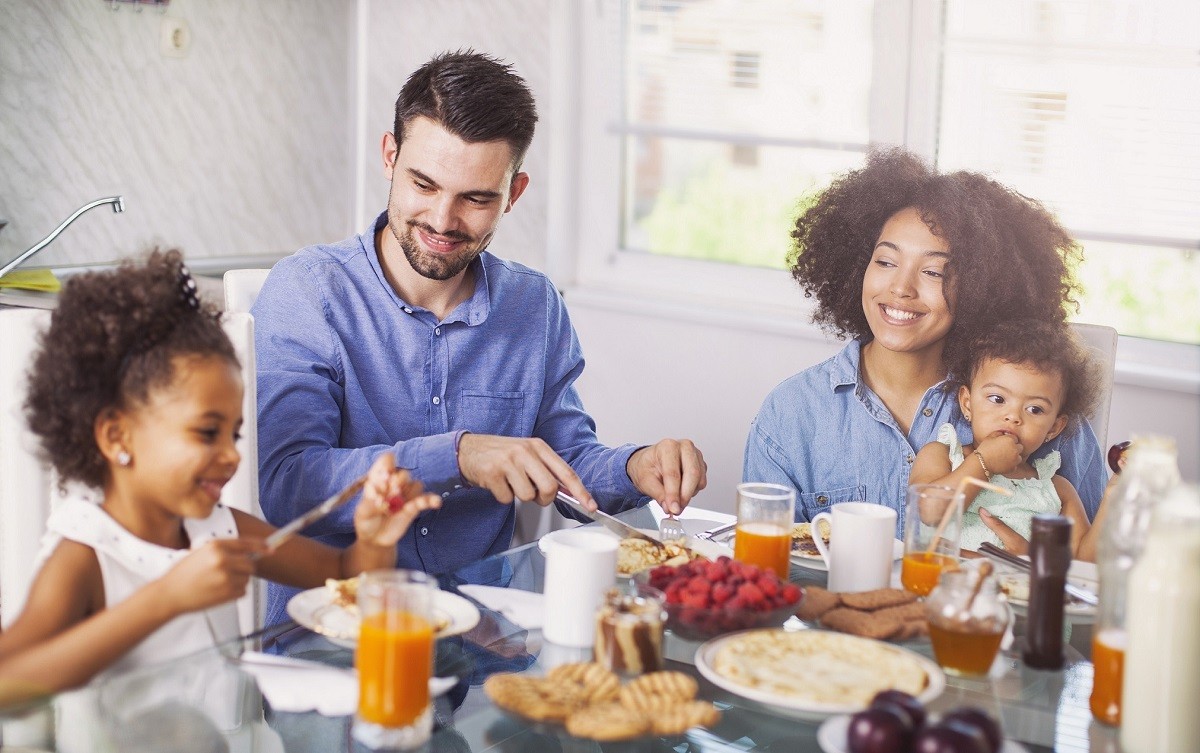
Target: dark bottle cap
1051	529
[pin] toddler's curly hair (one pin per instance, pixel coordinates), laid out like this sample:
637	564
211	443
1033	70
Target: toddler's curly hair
112	340
1009	256
1046	346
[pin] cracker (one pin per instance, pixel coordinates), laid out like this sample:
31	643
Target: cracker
679	718
880	598
648	690
594	682
816	602
608	722
862	624
531	697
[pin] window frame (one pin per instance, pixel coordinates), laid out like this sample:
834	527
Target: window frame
585	254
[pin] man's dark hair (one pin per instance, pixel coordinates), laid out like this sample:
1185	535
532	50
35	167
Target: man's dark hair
475	96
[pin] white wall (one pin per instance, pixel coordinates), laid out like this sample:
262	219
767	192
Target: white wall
658	370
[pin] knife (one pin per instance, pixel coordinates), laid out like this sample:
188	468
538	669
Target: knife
298	524
712	533
621	528
994	552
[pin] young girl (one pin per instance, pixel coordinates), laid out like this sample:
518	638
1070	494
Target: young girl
910	264
136	391
1021	385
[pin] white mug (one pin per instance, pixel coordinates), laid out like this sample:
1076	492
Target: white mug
860	537
580	566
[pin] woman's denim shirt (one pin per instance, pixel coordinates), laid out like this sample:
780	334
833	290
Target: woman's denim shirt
826	434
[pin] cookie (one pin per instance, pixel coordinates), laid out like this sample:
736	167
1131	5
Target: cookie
816	602
912	629
679	718
594	682
880	598
608	722
532	697
650	690
905	612
864	624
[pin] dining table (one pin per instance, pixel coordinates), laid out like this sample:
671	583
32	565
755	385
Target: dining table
170	706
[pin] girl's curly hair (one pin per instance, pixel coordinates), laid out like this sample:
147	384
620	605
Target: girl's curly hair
1045	346
110	342
1009	256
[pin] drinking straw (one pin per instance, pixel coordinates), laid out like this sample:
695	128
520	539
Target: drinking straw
958	495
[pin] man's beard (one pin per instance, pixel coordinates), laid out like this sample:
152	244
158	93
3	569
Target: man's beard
437	266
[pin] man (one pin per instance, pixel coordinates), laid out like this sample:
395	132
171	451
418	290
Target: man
413	338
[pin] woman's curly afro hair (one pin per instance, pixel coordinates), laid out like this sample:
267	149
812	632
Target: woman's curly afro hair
1009	257
110	342
1046	346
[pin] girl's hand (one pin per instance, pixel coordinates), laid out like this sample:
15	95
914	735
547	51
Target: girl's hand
213	574
1001	452
391	501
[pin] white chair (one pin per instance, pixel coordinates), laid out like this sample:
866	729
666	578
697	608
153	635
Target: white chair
242	286
1102	341
29	490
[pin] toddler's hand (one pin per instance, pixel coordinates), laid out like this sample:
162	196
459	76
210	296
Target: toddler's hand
1001	452
213	574
391	501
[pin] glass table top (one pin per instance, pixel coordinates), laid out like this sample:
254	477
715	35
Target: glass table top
1040	710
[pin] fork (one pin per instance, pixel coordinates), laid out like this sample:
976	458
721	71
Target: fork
670	529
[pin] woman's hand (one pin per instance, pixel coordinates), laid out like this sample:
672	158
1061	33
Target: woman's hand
213	574
1001	451
391	501
1009	539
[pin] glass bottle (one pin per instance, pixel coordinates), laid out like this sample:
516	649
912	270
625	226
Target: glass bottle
1049	560
966	632
1151	471
1161	688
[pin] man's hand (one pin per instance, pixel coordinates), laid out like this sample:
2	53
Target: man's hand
671	472
518	469
1009	539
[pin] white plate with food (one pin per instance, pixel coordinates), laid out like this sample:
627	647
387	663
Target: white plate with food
814	674
831	736
1015	585
330	611
635	555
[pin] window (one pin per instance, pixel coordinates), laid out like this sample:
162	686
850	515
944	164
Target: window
729	115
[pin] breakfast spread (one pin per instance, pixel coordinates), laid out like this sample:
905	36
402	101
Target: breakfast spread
629	632
817	667
589	700
636	555
881	614
802	539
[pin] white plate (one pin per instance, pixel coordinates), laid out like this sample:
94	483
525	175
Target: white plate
315	610
708	549
831	736
816	562
799	708
1081	574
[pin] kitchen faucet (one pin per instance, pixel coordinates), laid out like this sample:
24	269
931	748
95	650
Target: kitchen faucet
118	205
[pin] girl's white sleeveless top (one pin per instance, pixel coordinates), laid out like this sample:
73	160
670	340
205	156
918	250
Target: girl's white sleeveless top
127	563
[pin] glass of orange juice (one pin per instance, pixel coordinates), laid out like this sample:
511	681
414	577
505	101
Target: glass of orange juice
932	531
765	513
394	659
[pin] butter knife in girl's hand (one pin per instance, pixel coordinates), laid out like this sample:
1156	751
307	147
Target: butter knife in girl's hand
301	522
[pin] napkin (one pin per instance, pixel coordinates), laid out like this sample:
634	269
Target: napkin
31	279
297	685
525	609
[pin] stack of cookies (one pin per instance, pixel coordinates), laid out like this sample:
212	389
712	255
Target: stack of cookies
591	702
882	614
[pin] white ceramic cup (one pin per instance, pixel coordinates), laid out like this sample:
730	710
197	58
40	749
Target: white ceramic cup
580	566
859	555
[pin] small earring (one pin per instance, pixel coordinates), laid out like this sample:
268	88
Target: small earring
123	459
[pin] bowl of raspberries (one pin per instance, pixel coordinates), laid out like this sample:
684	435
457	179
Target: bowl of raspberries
707	598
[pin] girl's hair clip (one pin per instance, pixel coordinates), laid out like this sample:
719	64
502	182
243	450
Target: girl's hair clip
187	288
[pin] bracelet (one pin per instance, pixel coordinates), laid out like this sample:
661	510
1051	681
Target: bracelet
983	465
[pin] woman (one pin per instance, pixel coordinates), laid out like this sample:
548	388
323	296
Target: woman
911	265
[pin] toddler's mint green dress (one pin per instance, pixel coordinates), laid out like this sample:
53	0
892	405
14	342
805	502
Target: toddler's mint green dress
1031	496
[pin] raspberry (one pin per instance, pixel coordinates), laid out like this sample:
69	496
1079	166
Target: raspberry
751	594
769	587
716	571
697	585
697	600
721	593
790	593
